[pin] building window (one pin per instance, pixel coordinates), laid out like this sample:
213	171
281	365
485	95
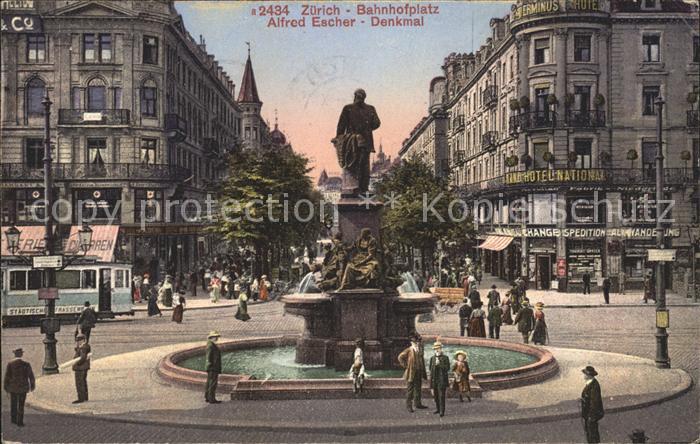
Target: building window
582	98
105	41
35	94
582	48
148	99
150	50
649	95
89	47
649	157
34	153
541	51
696	49
148	151
583	153
117	102
23	205
650	45
96	96
97	151
149	205
36	48
539	149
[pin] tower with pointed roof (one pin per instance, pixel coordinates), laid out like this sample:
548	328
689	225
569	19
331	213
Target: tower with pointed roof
254	128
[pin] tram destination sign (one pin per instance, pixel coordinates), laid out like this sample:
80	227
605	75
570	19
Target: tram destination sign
55	261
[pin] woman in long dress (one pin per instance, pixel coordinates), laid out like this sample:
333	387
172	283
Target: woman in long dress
242	313
137	282
506	318
153	308
215	286
477	328
264	288
460	369
539	333
179	309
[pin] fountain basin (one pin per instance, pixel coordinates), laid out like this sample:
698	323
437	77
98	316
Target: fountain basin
539	364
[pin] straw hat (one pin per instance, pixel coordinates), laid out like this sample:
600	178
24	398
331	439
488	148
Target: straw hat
437	345
539	305
461	352
213	334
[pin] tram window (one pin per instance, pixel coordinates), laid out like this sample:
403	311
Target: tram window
127	280
18	280
118	278
89	279
68	279
35	278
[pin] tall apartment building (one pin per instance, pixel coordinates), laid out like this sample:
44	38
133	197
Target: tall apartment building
142	116
557	108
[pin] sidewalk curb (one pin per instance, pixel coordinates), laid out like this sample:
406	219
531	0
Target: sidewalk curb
365	427
144	308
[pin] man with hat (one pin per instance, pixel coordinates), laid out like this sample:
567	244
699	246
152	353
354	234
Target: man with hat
465	312
591	405
494	297
213	367
439	379
19	380
525	320
81	367
87	320
413	361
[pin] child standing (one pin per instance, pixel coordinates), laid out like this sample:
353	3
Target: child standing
460	369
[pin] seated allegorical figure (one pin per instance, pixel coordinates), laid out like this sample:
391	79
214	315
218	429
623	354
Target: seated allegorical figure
362	270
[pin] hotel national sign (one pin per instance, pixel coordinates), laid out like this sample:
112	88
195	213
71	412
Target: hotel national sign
558	176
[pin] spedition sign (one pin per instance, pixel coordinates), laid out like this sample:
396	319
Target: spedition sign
598	232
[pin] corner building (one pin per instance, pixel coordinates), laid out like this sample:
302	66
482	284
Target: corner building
141	115
552	139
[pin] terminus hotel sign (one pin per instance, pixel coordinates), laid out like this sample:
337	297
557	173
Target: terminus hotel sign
560	176
534	8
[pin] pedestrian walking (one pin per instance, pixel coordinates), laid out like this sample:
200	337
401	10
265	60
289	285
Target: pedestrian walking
264	286
165	293
202	278
153	308
81	367
465	312
357	369
494	297
439	377
586	283
193	283
591	405
18	381
137	282
606	289
213	367
180	282
525	321
506	317
214	289
474	297
460	371
622	278
495	318
242	312
179	309
225	286
86	321
649	288
540	335
255	289
412	360
477	328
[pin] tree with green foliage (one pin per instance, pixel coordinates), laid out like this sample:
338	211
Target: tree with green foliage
268	203
426	210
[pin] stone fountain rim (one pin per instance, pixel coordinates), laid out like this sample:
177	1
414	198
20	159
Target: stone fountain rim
545	367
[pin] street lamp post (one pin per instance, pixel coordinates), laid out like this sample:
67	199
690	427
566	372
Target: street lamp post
662	358
49	325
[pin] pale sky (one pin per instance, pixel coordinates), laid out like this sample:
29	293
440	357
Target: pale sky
308	74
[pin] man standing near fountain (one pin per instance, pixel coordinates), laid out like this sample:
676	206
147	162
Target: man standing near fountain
413	361
439	379
213	368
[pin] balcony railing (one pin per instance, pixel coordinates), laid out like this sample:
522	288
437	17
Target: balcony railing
693	119
533	120
586	119
490	96
458	123
176	127
489	140
77	171
584	177
100	117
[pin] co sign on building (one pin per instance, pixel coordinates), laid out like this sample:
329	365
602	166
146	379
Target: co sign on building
21	23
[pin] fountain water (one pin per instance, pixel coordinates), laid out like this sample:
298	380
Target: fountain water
409	284
308	284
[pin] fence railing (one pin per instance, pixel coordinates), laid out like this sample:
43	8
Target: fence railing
73	171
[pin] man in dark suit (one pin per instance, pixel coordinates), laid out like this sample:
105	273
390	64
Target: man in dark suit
358	119
464	312
525	320
439	380
591	405
81	367
213	368
19	380
413	361
606	289
87	320
586	283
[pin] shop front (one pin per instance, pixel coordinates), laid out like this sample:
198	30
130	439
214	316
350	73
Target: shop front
584	256
542	263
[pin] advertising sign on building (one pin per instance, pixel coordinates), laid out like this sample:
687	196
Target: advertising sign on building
21	23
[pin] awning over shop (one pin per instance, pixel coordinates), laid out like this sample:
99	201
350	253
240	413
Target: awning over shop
496	243
104	239
31	240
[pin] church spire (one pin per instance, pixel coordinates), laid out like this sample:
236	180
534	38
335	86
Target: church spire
249	90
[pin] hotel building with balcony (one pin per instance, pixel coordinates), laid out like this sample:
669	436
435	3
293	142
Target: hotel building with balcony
141	115
557	108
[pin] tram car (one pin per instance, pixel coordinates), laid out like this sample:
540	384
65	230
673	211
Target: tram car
94	278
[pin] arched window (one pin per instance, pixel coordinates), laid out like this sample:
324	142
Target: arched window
149	99
35	94
96	95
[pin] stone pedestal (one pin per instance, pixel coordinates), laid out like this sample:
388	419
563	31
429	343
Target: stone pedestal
354	214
